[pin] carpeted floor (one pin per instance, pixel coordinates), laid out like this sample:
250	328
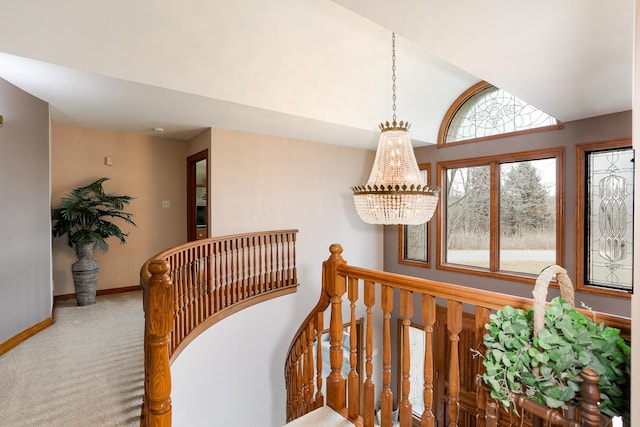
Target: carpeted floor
84	370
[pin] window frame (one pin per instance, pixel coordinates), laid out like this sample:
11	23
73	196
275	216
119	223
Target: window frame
402	232
581	193
494	211
460	101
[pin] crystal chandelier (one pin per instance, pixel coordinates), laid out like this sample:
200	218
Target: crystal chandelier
395	192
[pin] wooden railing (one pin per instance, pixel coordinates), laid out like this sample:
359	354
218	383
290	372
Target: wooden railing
189	288
448	386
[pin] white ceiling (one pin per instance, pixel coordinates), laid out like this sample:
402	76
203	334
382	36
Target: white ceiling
316	70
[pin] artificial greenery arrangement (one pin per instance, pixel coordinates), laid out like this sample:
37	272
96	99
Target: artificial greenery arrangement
546	368
84	216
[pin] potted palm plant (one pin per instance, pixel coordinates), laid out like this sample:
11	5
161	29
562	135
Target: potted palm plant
85	216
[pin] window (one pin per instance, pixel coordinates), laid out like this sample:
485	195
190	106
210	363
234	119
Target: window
416	369
487	112
501	215
414	240
604	215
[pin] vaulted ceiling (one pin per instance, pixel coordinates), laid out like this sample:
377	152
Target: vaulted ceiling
316	70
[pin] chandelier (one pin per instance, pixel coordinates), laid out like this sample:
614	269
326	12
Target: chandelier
395	192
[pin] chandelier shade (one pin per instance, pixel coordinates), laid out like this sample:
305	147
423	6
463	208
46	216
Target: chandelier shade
396	193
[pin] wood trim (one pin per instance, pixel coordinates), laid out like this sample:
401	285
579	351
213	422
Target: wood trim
494	162
99	292
191	195
473	296
24	335
464	97
224	313
581	151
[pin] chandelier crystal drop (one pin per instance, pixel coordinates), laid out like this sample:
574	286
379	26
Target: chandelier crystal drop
395	192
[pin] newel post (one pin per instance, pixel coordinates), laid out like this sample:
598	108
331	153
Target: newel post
159	330
335	287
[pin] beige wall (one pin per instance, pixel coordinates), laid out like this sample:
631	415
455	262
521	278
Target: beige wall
151	169
261	182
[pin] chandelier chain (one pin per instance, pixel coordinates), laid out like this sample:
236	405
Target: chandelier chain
393	73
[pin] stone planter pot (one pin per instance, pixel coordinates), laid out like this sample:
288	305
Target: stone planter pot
85	275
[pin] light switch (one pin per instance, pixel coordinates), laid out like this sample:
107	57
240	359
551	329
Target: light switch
108	161
166	204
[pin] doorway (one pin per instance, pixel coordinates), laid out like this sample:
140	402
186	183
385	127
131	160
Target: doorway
197	196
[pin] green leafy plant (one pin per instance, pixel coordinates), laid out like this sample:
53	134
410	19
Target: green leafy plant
546	368
85	215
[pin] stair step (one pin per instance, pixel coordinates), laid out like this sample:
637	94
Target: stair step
321	417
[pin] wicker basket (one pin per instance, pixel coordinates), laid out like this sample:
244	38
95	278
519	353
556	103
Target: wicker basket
540	293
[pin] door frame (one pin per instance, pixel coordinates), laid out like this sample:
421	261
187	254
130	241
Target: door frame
191	192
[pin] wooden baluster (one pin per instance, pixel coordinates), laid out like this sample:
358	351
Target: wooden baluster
147	365
386	397
335	285
429	319
310	403
246	269
281	261
481	318
298	380
276	261
240	268
228	272
179	285
369	388
210	284
188	278
454	326
589	409
192	284
217	297
294	276
406	312
234	272
304	361
254	266
491	420
160	325
286	259
354	375
263	264
319	399
272	259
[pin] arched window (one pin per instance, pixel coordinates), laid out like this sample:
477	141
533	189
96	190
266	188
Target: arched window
486	112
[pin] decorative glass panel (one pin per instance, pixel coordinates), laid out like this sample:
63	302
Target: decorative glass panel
493	111
416	375
609	219
528	215
415	243
468	209
414	239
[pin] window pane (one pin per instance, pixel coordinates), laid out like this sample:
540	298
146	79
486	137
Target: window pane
468	216
610	218
416	377
528	215
493	111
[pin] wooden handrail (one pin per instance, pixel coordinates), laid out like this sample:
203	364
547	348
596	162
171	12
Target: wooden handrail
188	288
459	303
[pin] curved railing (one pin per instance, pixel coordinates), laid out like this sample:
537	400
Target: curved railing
449	335
189	288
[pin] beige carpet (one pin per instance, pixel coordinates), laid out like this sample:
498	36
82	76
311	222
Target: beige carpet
84	370
322	417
